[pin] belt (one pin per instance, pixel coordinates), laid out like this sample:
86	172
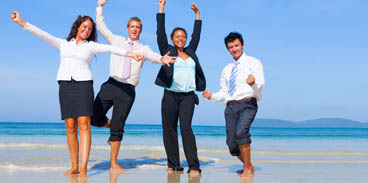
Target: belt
245	100
74	81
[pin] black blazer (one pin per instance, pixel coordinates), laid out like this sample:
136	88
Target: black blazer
165	75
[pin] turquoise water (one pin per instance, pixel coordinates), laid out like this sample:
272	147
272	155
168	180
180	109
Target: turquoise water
58	129
44	145
207	137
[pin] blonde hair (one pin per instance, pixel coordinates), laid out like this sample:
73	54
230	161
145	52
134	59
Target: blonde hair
135	19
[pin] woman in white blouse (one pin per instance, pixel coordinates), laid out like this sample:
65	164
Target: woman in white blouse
76	82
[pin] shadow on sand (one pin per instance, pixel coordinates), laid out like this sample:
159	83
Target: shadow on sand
136	162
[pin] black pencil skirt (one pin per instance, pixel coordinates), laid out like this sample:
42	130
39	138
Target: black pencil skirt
76	98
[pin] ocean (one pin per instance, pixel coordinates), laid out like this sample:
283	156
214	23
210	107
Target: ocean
42	147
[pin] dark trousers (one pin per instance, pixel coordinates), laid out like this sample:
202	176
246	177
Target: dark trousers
239	118
180	106
119	95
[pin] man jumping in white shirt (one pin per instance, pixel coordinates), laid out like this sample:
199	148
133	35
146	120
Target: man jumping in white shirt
119	89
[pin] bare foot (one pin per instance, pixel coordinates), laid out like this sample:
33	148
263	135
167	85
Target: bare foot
194	173
71	171
169	170
252	170
117	169
83	173
247	173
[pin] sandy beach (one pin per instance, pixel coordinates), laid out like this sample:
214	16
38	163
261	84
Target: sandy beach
276	172
38	153
149	167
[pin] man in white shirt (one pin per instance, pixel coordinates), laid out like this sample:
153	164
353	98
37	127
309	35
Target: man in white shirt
241	84
119	90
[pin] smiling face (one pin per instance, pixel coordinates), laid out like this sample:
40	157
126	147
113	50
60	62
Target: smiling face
235	48
179	39
84	30
134	29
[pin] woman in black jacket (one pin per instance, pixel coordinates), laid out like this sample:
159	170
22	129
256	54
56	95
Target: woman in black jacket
180	81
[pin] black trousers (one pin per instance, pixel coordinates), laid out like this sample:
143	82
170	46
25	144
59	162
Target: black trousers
180	106
119	95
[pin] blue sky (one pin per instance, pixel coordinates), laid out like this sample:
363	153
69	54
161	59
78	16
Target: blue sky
314	55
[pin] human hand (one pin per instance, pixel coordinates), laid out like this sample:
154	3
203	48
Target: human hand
136	56
167	60
194	8
251	80
15	17
196	11
207	94
161	5
100	3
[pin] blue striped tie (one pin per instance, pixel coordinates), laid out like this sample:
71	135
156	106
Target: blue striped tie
234	74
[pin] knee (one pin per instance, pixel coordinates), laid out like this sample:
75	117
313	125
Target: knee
71	129
242	137
186	130
116	136
84	124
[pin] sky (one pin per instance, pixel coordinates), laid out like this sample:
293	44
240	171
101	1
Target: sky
314	55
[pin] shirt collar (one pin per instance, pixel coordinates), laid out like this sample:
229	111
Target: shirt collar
82	42
241	59
136	42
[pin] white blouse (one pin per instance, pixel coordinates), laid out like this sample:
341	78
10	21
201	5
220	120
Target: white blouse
75	59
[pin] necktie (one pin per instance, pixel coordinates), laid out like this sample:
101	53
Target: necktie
233	75
126	65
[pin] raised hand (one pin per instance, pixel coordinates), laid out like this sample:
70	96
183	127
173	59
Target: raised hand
207	94
194	7
100	3
17	19
161	2
251	79
161	5
196	10
167	60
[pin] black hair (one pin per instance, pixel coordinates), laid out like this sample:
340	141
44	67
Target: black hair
77	23
176	29
232	37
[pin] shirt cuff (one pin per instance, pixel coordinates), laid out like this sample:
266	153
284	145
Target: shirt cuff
99	11
27	27
214	97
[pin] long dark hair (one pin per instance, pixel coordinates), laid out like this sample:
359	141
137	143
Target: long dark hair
77	23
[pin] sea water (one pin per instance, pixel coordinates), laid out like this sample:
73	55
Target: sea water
42	146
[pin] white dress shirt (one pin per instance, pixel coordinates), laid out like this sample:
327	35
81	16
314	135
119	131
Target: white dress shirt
74	59
116	64
247	65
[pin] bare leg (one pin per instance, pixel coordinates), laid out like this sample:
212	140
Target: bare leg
71	126
114	166
248	168
85	142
